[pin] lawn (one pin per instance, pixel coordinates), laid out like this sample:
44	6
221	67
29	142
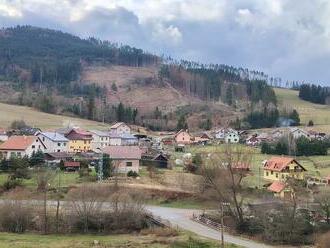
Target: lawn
320	114
8	240
9	113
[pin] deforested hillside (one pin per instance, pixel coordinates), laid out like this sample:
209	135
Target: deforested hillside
59	73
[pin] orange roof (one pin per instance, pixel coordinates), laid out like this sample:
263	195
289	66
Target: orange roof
277	187
18	142
279	163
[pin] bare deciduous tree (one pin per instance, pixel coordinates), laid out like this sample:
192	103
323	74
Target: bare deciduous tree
222	180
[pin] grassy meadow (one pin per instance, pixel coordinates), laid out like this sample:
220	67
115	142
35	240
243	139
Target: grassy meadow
33	117
320	114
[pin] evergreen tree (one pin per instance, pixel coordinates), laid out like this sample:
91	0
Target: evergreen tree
182	123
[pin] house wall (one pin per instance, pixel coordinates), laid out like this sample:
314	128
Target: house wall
79	145
99	142
122	129
34	147
183	138
115	142
232	138
3	137
52	146
122	167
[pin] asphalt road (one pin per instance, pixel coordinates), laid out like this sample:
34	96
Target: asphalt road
182	218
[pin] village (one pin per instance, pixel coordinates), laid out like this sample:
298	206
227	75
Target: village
171	168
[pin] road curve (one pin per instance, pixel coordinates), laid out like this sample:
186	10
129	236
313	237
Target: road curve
182	219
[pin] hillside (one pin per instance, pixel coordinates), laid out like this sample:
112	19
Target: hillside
320	114
32	117
59	73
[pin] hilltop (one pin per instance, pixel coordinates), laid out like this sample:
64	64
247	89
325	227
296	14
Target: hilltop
59	73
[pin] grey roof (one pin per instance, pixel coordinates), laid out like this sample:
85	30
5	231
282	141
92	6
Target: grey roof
123	136
57	137
100	133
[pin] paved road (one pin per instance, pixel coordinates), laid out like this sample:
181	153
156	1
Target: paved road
181	219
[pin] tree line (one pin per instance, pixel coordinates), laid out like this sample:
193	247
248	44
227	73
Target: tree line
314	93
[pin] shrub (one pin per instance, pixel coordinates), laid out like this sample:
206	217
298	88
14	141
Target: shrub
15	217
11	184
132	174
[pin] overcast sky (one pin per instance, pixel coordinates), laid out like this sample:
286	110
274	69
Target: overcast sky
285	38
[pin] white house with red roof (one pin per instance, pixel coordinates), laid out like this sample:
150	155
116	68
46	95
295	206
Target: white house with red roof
21	146
183	137
125	158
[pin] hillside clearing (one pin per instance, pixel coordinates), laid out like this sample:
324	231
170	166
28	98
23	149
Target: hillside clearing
35	118
319	114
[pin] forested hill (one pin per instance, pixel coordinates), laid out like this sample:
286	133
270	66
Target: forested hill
56	57
53	65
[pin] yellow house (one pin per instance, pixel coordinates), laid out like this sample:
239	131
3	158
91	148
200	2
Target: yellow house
280	168
79	140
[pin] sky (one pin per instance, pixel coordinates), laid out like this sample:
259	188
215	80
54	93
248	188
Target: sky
283	38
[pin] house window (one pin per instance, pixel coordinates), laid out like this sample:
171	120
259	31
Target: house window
19	154
267	174
129	164
64	144
271	173
43	138
85	142
33	146
58	144
58	150
276	175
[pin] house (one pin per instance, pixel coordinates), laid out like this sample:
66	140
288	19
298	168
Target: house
71	165
155	159
203	139
122	139
280	168
125	158
21	146
54	142
227	135
253	141
100	139
79	140
56	157
183	137
120	128
280	190
298	133
3	135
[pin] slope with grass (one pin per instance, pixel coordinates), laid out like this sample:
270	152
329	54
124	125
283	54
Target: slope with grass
319	114
9	113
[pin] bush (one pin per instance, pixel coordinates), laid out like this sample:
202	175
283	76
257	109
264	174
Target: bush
132	174
15	217
11	184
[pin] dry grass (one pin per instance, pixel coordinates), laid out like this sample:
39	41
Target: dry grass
32	117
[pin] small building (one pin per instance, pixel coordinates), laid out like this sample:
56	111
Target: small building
21	146
56	157
120	128
227	135
71	165
280	168
122	139
54	142
100	140
280	190
79	140
3	135
253	141
316	135
159	160
125	158
183	137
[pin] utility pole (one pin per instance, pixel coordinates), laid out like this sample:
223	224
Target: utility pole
100	172
222	204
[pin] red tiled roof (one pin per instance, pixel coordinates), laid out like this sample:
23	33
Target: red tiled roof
79	134
277	187
241	166
18	142
123	152
279	163
71	164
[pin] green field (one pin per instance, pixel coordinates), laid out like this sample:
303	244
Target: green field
35	118
320	114
8	240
